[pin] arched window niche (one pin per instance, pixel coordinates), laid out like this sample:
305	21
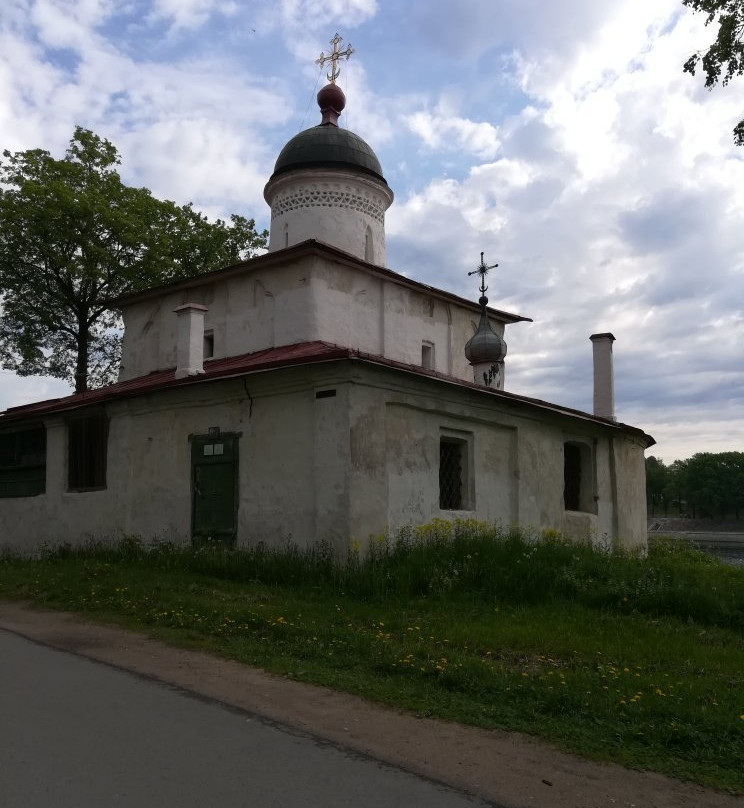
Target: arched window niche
578	477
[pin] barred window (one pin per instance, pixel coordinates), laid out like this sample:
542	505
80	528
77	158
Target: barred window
23	462
451	474
87	439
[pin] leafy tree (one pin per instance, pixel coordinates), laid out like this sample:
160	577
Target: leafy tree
715	483
733	470
724	59
706	484
73	236
677	484
657	481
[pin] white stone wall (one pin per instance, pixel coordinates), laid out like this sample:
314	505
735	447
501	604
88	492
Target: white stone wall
309	299
340	467
630	473
344	209
246	313
148	485
516	463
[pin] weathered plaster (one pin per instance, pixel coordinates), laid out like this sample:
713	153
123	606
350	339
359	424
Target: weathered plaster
311	299
338	207
337	467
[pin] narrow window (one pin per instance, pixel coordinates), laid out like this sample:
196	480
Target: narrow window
452	466
23	462
427	355
87	439
578	477
368	249
286	235
571	476
208	344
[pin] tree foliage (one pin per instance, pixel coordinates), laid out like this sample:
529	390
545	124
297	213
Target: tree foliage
705	485
657	480
73	236
724	59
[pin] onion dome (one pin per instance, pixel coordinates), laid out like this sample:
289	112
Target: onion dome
327	186
327	145
485	347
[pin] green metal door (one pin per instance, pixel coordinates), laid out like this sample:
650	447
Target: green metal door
214	483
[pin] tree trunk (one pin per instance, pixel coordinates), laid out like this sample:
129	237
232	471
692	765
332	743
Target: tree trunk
81	364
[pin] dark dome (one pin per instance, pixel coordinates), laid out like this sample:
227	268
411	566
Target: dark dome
327	146
484	346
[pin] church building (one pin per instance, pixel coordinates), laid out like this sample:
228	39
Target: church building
311	393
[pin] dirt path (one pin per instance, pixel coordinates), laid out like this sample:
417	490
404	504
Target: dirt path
508	769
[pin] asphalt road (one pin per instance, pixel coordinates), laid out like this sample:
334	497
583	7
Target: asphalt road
74	732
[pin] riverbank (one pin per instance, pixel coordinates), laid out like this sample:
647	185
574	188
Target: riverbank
722	539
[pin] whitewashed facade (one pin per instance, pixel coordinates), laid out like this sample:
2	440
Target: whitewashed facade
311	394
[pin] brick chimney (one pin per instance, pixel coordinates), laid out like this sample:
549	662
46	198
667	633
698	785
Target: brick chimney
190	340
604	383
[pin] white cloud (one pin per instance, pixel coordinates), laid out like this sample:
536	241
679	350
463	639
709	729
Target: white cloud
446	132
199	160
190	14
68	23
562	139
612	216
466	29
323	14
27	389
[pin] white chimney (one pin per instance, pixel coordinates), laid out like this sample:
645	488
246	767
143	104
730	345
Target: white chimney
190	336
604	383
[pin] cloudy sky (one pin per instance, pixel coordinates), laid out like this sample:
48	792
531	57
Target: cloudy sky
561	138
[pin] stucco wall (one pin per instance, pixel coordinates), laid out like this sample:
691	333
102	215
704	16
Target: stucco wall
341	208
395	462
338	451
376	315
247	313
630	476
515	456
310	299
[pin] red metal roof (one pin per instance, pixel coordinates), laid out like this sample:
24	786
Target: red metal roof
288	355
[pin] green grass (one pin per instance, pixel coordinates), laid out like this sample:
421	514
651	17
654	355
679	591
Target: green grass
615	657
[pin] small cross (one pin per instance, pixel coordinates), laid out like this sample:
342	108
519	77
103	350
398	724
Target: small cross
333	57
482	270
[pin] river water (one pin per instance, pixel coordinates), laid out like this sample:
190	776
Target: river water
729	547
735	557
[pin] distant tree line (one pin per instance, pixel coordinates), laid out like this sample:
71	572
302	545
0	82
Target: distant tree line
705	485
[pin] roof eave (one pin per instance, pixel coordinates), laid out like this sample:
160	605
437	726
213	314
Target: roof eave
296	252
325	353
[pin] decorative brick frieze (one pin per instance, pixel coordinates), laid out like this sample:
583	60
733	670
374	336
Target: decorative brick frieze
324	197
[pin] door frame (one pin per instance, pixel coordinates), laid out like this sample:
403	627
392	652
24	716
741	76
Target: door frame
197	442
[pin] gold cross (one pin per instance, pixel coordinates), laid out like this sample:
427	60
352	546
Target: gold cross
333	58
